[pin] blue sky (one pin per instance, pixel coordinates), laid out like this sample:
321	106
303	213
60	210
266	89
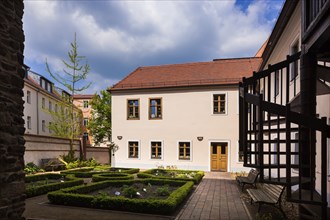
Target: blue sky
119	36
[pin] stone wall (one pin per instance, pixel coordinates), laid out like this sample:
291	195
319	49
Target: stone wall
12	187
101	154
41	147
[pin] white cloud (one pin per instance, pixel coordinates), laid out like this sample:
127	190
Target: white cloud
118	36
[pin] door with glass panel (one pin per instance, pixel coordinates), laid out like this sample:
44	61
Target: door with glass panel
219	156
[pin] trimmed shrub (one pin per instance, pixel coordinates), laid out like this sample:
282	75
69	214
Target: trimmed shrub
177	175
111	176
31	191
73	196
89	172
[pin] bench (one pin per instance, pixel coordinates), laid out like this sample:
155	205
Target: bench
269	194
52	164
251	179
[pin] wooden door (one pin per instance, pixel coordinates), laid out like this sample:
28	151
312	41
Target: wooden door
219	152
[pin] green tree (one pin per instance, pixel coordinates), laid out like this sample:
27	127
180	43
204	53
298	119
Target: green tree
73	73
62	124
99	125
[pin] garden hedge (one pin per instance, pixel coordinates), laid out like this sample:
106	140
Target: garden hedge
111	176
74	196
150	174
43	189
82	173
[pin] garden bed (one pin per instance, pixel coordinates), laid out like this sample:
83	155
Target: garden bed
43	183
184	175
103	195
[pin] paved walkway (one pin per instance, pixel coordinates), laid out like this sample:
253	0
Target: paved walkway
216	197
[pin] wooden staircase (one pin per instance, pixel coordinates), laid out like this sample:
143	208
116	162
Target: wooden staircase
272	135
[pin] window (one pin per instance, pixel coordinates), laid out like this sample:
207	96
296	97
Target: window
50	106
155	108
85	136
240	153
43	103
133	109
56	108
277	83
85	104
28	97
85	121
43	125
184	150
133	149
49	127
294	67
219	104
28	122
156	150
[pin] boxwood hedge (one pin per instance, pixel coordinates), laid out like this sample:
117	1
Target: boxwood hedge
31	190
89	173
111	176
198	175
74	196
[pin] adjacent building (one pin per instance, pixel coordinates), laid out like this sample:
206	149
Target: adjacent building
83	103
183	115
41	97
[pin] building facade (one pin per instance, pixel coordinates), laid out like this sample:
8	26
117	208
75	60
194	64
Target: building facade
82	102
182	115
41	100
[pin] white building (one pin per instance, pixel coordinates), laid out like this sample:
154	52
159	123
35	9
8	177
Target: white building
41	96
183	115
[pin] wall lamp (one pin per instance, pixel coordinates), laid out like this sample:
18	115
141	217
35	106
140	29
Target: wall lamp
120	137
200	138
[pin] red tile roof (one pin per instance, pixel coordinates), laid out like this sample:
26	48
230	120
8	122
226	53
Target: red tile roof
83	96
217	72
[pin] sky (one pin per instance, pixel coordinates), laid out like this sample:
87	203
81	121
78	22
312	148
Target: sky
117	36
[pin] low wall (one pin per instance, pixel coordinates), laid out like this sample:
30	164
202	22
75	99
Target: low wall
100	154
38	147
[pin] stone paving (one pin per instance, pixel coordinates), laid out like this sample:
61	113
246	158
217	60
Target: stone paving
216	197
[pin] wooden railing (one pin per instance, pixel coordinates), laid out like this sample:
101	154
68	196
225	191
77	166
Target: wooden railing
265	113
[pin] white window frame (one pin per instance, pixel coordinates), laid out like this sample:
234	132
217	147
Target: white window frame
178	151
237	153
139	149
43	126
49	130
43	103
162	149
50	105
85	121
226	103
84	103
28	97
28	122
295	42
